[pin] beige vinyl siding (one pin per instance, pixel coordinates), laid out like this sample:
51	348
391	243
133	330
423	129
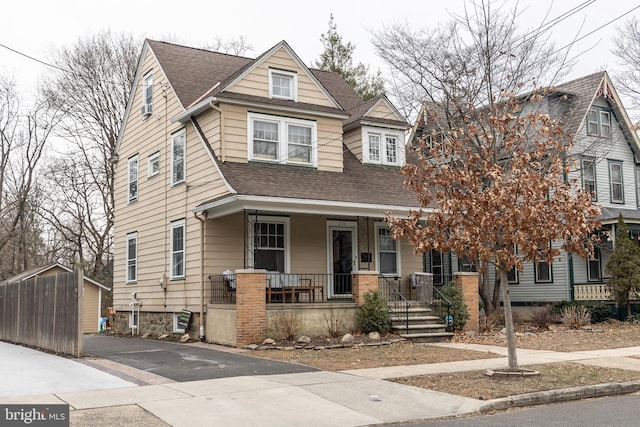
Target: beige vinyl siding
382	111
308	244
329	136
91	308
353	141
159	203
256	83
209	122
224	244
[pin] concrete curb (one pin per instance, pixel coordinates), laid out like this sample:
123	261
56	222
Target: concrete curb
561	395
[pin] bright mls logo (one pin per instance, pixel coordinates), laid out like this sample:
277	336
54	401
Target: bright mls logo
34	415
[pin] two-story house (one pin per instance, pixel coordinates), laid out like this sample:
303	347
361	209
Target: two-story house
607	150
226	163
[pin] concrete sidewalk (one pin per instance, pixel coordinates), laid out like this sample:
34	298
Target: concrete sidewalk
348	398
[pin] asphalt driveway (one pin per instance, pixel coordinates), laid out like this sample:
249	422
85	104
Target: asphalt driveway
183	362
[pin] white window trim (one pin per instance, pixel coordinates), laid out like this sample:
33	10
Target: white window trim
147	82
383	133
176	329
134	237
592	161
294	84
152	159
174	136
174	225
134	198
621	183
287	239
379	143
377	226
282	156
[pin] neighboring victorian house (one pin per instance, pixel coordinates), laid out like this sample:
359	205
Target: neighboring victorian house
227	163
607	150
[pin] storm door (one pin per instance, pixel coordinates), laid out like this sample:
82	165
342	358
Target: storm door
343	250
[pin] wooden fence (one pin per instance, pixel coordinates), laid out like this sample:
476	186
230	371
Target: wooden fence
44	312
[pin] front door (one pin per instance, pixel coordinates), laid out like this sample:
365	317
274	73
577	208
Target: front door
343	250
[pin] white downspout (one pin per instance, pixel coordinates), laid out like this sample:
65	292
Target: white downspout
202	220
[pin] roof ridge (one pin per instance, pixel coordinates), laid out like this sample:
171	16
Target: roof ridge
201	49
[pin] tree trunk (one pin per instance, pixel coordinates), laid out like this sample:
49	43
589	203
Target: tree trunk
485	293
508	323
496	291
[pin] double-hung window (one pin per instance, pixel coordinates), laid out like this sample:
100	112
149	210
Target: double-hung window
383	146
153	165
374	147
594	266
147	94
388	254
177	249
269	244
543	272
132	257
283	84
133	179
178	157
513	276
615	182
282	139
589	176
599	123
638	186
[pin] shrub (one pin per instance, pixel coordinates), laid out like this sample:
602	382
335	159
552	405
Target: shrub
575	316
333	324
600	311
491	322
373	314
542	317
287	325
458	309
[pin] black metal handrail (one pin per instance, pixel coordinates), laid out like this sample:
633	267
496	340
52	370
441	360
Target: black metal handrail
223	288
398	304
442	307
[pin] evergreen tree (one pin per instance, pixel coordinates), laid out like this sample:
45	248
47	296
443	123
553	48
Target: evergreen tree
624	267
337	57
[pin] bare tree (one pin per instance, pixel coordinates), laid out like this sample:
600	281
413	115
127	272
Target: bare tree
469	61
23	140
234	46
474	62
627	49
91	85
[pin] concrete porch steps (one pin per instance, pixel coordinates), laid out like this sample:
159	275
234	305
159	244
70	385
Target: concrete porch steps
423	326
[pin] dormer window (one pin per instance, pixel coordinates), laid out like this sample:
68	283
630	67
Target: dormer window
147	94
383	146
283	84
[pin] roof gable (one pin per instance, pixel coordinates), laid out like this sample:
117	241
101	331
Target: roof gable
281	56
38	271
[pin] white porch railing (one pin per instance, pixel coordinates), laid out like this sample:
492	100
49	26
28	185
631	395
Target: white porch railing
591	292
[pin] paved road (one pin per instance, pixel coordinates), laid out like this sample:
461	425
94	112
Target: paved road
181	362
619	411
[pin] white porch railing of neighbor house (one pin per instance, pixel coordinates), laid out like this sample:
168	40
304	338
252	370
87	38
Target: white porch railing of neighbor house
591	292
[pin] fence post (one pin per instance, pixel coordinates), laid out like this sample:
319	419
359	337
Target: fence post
361	283
80	323
251	307
467	282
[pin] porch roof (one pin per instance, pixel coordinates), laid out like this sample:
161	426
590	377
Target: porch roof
360	190
609	215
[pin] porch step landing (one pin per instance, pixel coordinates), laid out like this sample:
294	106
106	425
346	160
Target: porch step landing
423	327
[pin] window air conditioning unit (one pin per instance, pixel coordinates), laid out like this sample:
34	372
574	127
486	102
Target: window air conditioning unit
146	110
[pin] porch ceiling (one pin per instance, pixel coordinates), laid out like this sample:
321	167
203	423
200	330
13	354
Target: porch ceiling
237	203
